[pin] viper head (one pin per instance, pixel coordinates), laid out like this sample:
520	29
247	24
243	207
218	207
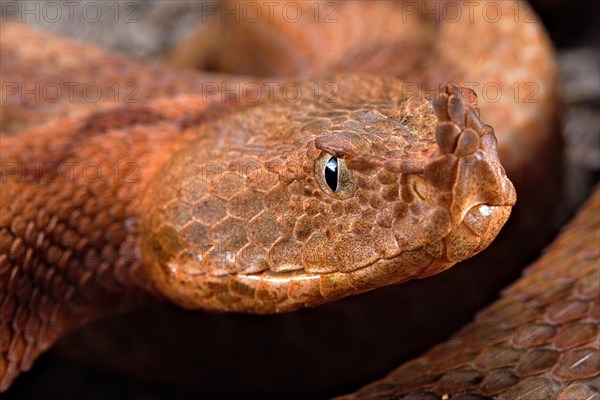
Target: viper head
290	204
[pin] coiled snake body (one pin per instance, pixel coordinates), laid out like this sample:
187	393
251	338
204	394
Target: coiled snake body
258	203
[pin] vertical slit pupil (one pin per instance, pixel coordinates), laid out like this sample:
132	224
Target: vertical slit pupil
331	173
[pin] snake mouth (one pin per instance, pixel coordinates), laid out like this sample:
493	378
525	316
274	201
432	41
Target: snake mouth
478	228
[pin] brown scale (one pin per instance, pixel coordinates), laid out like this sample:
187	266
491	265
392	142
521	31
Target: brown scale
509	352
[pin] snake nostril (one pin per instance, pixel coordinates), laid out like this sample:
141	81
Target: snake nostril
420	188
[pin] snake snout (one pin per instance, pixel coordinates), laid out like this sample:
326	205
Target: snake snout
481	179
466	162
466	173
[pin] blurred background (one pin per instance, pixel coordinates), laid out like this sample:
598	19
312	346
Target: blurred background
166	353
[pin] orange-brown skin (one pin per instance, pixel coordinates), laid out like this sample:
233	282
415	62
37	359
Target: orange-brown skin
423	189
539	341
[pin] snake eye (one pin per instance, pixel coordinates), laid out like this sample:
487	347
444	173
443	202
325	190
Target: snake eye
331	173
333	176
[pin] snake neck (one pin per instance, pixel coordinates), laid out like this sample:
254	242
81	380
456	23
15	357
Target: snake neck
69	223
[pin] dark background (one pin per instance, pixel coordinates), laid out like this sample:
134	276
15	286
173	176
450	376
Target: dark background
245	356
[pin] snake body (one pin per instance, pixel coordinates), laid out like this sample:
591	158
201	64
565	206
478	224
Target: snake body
227	204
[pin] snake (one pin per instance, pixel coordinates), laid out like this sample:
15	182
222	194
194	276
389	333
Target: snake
291	191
